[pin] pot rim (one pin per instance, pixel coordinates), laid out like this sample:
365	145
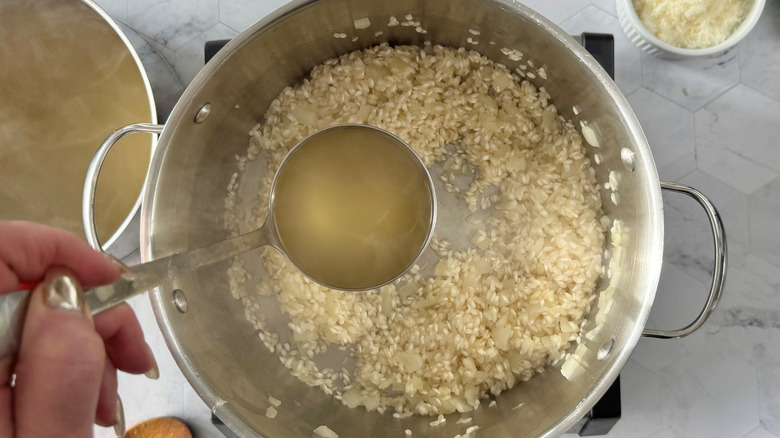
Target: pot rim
645	169
152	115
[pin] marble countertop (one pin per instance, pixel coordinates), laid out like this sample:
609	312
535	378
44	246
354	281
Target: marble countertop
711	123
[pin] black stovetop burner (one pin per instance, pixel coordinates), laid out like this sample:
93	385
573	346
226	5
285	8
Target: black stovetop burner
604	415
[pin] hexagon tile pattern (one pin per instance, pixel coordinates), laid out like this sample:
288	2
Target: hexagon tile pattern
736	138
769	386
189	58
759	59
669	131
764	205
688	240
712	123
172	22
117	9
240	14
760	432
691	83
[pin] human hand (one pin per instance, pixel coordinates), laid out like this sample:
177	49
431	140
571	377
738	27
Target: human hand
66	366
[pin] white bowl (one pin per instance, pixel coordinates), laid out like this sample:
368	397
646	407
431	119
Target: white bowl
644	39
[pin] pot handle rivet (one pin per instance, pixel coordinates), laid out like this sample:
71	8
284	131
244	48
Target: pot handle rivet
203	113
180	300
605	349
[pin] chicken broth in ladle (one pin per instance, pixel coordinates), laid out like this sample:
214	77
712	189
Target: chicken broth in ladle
353	207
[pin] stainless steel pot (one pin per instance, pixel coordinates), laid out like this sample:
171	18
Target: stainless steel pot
218	350
68	73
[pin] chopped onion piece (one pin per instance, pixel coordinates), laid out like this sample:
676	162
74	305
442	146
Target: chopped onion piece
362	23
407	290
351	398
572	368
591	335
517	163
501	336
410	360
325	432
371	402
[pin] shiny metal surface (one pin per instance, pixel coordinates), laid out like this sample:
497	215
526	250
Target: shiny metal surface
12	309
161	271
214	345
153	119
142	278
73	77
119	415
203	113
719	268
273	233
266	235
93	173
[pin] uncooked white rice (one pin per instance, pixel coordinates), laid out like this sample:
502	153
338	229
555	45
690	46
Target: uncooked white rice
489	314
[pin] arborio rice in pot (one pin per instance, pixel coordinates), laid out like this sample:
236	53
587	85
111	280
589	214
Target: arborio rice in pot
482	314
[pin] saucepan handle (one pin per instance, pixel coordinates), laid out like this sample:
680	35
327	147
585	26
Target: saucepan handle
719	270
93	172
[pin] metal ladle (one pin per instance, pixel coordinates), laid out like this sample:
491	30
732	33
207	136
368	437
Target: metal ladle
148	275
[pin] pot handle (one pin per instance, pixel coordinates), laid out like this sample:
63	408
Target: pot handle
719	271
93	172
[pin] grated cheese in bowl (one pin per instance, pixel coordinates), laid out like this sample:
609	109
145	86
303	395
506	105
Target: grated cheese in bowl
691	24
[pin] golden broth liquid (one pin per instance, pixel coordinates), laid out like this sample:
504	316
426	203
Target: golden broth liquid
352	208
66	82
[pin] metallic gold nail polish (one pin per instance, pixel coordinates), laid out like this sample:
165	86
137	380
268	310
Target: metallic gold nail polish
153	373
119	416
62	292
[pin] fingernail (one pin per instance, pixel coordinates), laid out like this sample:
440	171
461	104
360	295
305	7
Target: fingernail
63	293
119	416
154	372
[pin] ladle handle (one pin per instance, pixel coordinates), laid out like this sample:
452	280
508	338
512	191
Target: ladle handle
13	307
141	278
93	172
719	269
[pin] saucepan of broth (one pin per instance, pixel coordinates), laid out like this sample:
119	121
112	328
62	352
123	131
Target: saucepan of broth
68	77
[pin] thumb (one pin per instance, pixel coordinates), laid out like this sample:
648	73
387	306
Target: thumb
60	363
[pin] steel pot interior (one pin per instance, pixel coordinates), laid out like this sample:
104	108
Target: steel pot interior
74	75
218	350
